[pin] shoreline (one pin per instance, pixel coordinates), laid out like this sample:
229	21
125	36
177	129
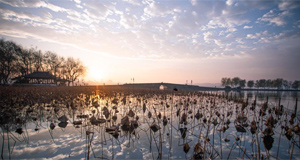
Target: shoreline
167	86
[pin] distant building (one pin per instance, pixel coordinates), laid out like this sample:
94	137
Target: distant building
163	87
40	78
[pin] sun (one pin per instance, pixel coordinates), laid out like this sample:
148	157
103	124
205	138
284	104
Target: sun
96	75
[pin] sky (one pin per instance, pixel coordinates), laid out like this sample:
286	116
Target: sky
162	40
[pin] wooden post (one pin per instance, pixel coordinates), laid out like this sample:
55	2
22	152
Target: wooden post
295	112
279	110
291	155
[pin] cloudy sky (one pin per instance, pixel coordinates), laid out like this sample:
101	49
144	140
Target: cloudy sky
163	40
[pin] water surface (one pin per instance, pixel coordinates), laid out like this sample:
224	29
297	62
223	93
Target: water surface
29	132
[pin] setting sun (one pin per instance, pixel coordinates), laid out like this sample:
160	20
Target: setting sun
96	74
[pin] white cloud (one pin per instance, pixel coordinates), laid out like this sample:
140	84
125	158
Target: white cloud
260	5
248	27
13	33
99	10
54	8
240	41
264	40
80	17
277	20
226	21
218	42
77	1
229	2
133	2
274	18
231	29
257	35
285	35
34	4
45	21
78	6
207	36
229	35
29	4
25	17
288	5
194	13
251	36
193	2
129	21
157	9
195	41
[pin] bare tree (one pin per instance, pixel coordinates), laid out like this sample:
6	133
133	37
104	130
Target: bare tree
16	61
250	83
269	83
73	69
223	81
53	62
262	83
25	61
37	59
285	84
296	84
242	83
8	60
235	81
60	70
278	82
228	82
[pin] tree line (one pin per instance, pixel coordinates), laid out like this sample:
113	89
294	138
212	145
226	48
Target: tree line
16	60
278	83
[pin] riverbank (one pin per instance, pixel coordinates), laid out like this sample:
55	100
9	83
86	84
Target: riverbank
184	87
169	87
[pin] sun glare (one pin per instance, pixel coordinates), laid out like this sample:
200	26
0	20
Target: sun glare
96	75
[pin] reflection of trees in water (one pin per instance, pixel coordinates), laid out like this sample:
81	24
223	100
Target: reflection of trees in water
272	95
295	94
200	123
